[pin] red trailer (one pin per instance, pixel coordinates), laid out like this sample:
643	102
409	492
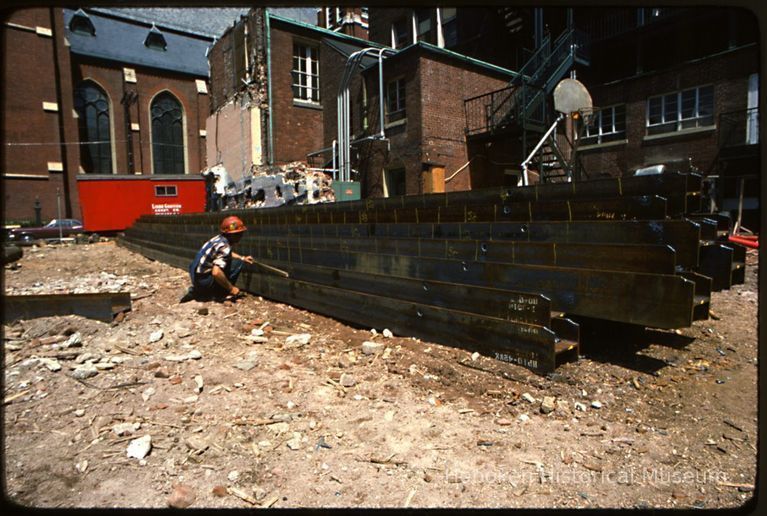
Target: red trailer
114	202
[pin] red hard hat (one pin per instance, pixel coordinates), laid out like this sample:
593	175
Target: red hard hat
232	225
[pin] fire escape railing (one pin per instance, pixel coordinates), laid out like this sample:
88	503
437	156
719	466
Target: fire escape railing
522	101
738	128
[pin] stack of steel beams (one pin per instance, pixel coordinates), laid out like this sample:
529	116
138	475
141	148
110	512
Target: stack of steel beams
499	270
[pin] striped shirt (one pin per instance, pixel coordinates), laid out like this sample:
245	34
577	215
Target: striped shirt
216	251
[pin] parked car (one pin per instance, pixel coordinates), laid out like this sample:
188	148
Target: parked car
52	230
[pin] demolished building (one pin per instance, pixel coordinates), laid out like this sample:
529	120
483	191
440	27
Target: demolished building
460	114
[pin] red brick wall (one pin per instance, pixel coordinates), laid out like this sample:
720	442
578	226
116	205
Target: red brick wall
28	80
729	75
332	64
28	57
445	85
148	84
297	130
436	87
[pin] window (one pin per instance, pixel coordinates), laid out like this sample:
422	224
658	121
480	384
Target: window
92	107
400	34
82	24
155	39
449	26
167	135
165	191
327	17
364	13
306	74
364	106
395	100
422	24
394	182
607	125
680	110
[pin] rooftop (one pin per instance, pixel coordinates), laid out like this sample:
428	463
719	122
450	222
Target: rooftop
122	39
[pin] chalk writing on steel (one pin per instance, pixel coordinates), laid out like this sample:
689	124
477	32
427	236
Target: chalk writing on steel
606	215
532	363
526	330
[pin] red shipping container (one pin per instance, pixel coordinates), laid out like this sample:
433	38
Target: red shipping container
114	202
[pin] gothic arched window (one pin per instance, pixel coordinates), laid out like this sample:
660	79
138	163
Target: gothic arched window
92	106
167	134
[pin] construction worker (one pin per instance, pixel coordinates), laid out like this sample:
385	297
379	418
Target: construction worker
215	269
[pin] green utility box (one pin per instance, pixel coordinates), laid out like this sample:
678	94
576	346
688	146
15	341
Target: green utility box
346	190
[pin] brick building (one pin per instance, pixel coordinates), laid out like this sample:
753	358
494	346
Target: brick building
668	85
352	21
468	93
673	85
101	91
424	88
274	87
272	90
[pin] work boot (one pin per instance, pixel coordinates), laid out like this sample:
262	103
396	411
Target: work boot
189	296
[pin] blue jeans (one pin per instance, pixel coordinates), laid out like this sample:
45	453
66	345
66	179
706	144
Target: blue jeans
206	286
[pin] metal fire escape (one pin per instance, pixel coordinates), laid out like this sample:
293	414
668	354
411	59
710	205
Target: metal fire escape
523	105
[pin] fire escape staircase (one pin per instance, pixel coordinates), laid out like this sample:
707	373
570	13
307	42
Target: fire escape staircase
523	105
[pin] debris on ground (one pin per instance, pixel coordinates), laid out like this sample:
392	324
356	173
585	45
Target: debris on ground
102	415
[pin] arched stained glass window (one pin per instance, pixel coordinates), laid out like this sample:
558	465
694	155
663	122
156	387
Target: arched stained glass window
167	135
92	106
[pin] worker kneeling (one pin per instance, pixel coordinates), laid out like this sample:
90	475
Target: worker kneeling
215	269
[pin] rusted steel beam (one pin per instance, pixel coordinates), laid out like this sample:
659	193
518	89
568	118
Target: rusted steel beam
651	258
502	304
716	261
676	188
702	297
531	346
650	207
682	235
738	263
101	306
618	208
661	301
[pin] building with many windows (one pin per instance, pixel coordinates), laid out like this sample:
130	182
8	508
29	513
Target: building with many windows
466	94
352	21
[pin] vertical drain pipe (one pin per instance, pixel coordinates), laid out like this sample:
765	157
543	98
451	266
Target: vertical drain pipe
269	85
381	91
335	170
343	109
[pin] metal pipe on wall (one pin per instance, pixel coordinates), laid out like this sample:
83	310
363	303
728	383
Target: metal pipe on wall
343	111
62	133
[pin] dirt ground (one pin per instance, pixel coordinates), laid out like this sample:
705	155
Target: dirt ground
644	419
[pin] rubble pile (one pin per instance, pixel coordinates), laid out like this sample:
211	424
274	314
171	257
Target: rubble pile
81	283
269	187
316	183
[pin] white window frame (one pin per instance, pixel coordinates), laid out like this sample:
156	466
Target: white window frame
312	84
595	133
394	33
416	24
441	22
339	17
166	191
676	121
327	18
393	86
